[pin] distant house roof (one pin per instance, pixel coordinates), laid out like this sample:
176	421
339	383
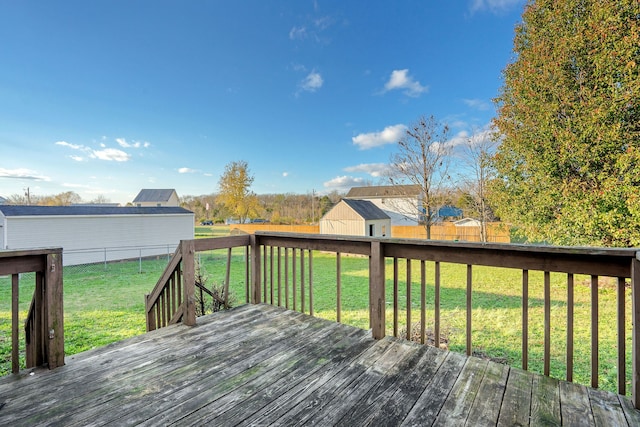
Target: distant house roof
154	195
366	209
383	191
20	210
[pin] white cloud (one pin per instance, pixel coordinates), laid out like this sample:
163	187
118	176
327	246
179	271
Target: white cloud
22	173
69	145
343	183
285	174
298	33
135	144
77	158
494	6
373	169
390	135
187	170
312	82
477	104
401	80
111	154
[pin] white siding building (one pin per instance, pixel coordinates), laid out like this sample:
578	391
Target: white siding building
400	202
89	234
356	218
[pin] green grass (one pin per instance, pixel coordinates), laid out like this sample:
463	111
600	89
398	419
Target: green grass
102	306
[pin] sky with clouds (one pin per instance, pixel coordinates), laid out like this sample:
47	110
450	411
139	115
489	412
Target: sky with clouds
105	98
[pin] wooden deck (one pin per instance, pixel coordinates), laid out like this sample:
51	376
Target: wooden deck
262	365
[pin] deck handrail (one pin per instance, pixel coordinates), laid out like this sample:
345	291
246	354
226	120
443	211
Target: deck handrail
172	299
44	326
623	264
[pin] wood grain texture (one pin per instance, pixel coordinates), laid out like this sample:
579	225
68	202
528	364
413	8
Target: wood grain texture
265	365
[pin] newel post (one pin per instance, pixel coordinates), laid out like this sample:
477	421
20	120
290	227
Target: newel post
256	297
635	332
189	282
377	303
54	313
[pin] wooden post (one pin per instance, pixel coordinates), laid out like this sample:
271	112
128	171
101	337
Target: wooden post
54	311
15	325
377	303
188	284
635	318
255	270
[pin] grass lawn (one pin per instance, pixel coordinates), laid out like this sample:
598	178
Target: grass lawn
106	305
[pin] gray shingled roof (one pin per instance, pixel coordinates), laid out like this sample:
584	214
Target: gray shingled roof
19	210
366	209
154	195
383	191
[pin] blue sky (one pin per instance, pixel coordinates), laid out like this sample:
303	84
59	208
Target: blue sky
107	97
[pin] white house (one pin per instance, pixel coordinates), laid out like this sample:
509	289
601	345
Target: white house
400	202
356	218
89	234
156	197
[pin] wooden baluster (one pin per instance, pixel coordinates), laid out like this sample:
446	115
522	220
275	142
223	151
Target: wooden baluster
302	280
408	306
15	324
622	371
338	288
423	303
271	274
395	297
570	310
279	277
547	323
525	319
469	307
594	331
436	304
286	277
293	273
310	282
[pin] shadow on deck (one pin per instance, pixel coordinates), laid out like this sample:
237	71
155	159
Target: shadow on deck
261	365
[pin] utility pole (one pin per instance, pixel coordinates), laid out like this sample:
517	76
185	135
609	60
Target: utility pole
27	194
313	208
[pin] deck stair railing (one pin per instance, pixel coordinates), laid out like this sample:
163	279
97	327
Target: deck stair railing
44	326
270	251
173	299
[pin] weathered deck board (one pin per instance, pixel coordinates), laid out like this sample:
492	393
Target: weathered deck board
263	365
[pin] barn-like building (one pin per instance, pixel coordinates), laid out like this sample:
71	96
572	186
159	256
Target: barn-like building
356	218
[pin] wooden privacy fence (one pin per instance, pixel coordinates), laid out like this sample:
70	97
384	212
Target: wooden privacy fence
496	232
279	267
44	326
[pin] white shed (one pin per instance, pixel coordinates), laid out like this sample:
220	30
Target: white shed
89	234
356	218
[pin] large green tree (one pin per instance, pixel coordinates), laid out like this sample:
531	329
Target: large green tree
569	119
235	194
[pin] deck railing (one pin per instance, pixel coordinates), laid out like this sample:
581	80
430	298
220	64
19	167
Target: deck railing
279	267
44	326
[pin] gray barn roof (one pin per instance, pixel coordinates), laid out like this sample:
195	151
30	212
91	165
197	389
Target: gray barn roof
366	209
154	195
19	210
383	191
